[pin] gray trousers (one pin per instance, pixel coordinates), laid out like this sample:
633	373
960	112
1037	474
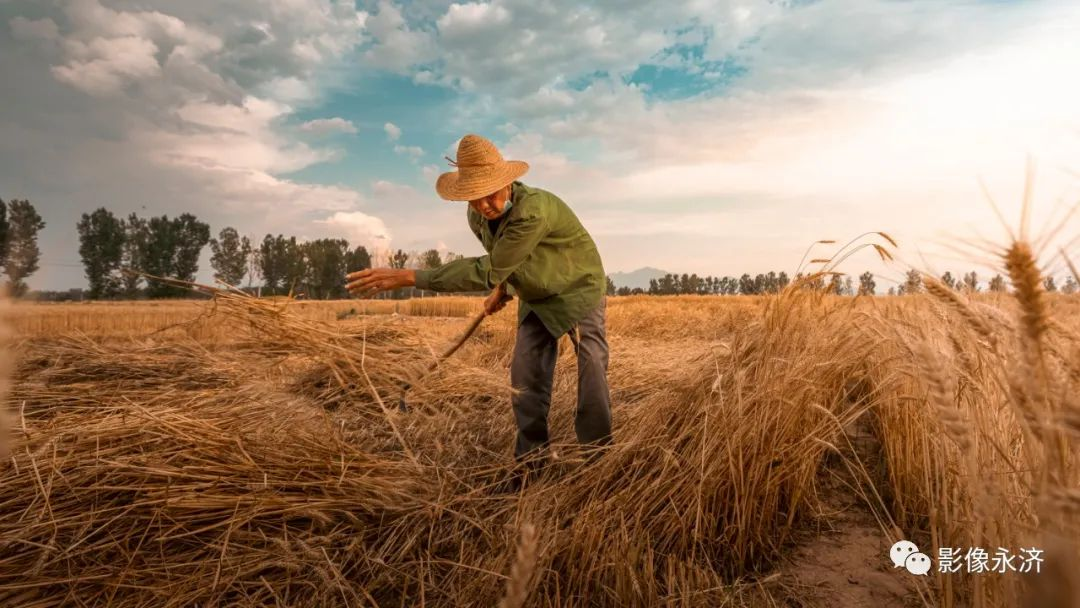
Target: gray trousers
533	370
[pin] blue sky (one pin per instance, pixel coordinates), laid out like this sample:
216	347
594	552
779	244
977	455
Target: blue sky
710	136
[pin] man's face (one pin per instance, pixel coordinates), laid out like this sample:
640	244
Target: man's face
492	205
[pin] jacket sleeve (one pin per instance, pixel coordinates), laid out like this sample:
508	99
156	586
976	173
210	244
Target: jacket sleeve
483	273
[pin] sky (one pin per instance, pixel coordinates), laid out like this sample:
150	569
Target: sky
708	136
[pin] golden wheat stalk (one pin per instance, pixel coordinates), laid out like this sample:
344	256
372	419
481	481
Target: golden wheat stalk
519	582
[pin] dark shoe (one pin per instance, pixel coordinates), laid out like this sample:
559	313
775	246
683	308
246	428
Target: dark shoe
593	451
521	475
513	481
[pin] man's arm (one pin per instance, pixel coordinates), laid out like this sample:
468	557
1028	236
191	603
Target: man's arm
485	272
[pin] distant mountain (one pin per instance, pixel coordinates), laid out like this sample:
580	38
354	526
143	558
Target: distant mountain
637	278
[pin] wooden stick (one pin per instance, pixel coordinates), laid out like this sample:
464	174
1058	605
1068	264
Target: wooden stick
446	354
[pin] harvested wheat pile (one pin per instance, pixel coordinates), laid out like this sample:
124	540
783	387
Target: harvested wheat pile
207	500
240	496
133	365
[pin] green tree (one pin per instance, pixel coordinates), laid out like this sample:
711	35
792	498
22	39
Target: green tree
759	283
294	266
949	280
133	254
997	284
836	285
1070	286
746	285
358	259
811	282
695	285
867	286
230	256
1049	284
399	259
23	254
252	264
610	286
191	236
782	281
172	251
430	259
160	256
101	247
971	282
669	284
325	261
729	286
271	262
912	283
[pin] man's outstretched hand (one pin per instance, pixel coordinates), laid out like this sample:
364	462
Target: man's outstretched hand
370	281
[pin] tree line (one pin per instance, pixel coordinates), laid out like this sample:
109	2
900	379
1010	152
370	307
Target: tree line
837	284
117	252
913	283
111	247
19	252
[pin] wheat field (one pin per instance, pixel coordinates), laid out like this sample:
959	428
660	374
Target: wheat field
768	452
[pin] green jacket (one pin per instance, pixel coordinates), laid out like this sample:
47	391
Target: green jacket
541	250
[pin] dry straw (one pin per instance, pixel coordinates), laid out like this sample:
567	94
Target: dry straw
521	574
267	469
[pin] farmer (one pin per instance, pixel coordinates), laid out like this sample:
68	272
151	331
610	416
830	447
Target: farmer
538	250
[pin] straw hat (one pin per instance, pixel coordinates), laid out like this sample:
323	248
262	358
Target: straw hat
481	170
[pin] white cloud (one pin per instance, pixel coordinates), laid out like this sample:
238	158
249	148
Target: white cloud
277	48
430	173
783	48
547	101
897	147
413	152
463	22
325	126
396	46
425	77
392	191
451	150
849	114
290	89
198	98
91	21
40	29
105	65
518	47
281	204
357	227
240	137
108	50
393	133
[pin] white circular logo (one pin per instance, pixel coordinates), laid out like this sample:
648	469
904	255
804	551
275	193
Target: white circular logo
900	552
918	564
